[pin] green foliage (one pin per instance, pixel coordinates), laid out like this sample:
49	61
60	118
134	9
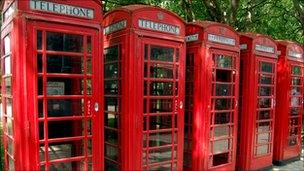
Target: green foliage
1	148
282	19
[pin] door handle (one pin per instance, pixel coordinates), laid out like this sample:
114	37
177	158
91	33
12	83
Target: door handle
96	107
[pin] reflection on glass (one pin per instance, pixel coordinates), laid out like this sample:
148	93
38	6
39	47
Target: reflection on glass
263	138
159	53
161	105
66	150
295	102
111	136
295	91
61	108
111	70
296	70
261	150
264	103
267	67
221	131
111	120
160	155
160	122
7	65
265	79
294	111
111	53
264	115
294	121
42	153
161	88
9	107
65	166
223	61
109	165
111	104
64	42
10	146
111	152
160	139
293	141
265	91
7	45
161	71
64	64
263	126
89	44
296	81
294	131
223	104
8	85
10	127
111	87
89	65
223	90
221	146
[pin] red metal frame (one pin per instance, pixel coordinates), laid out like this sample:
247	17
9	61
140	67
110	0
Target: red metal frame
257	102
147	106
289	107
35	77
211	96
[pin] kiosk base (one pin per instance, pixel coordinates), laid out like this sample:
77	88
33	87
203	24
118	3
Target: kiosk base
284	162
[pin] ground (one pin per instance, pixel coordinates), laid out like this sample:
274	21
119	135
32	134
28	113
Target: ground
294	166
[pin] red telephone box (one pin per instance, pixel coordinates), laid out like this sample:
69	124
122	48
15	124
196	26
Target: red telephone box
212	89
257	102
144	89
289	106
51	82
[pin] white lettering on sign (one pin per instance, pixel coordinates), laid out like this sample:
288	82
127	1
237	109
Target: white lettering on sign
221	39
294	54
115	27
262	48
151	25
192	38
61	9
243	46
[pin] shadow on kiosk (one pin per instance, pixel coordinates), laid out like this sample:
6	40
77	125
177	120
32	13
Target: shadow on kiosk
212	86
51	80
144	88
257	102
289	106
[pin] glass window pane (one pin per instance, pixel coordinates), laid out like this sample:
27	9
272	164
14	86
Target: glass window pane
160	155
39	63
89	65
161	71
89	44
266	67
296	81
295	102
7	65
220	131
292	141
74	165
160	122
61	108
111	152
111	120
161	88
111	70
261	150
111	53
66	150
9	107
8	85
223	61
64	42
111	87
221	146
10	127
296	70
64	64
265	91
160	53
223	75
161	105
263	138
61	129
111	166
7	45
220	159
160	139
264	115
10	146
223	104
221	118
294	111
295	91
111	104
39	40
111	136
42	153
223	90
265	79
263	126
294	121
264	103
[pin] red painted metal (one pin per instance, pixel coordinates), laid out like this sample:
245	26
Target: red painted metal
51	67
289	106
211	96
144	89
257	102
